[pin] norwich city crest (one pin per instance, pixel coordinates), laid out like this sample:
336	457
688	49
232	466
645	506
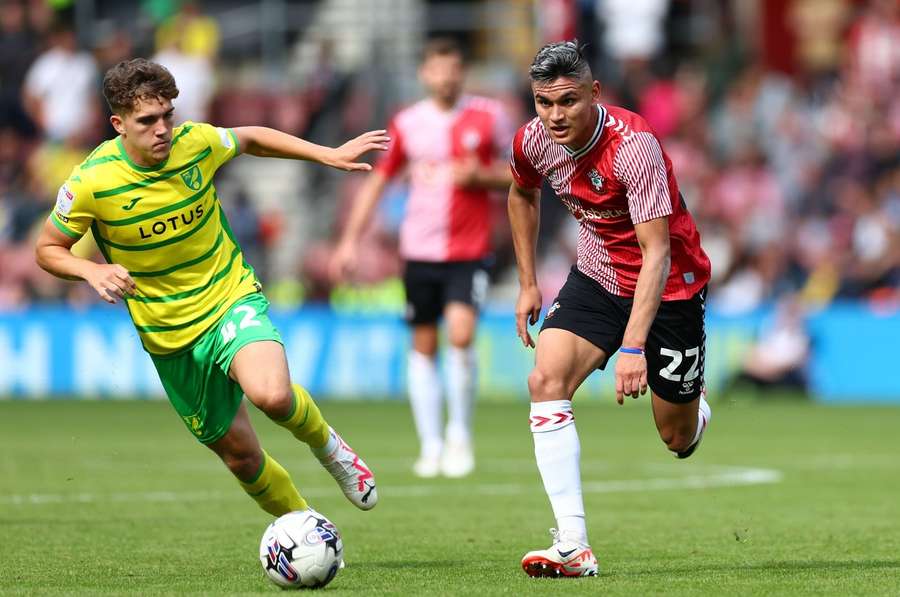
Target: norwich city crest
192	178
194	424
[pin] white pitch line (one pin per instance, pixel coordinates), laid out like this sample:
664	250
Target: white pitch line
723	477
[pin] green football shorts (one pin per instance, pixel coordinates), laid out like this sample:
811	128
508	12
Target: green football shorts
197	381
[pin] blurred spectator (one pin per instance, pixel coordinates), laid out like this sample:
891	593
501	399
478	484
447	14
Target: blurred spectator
194	33
634	28
187	43
818	26
746	198
41	17
246	227
874	244
17	50
780	354
874	48
60	88
757	280
793	176
196	83
633	32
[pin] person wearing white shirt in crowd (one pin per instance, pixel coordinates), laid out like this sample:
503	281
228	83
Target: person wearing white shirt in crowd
60	86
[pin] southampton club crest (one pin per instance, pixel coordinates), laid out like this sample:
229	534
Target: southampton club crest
193	178
596	179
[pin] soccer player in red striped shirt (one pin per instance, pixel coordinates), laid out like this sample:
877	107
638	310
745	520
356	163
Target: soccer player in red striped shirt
638	287
453	147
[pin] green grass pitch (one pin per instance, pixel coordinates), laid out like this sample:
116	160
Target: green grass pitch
783	498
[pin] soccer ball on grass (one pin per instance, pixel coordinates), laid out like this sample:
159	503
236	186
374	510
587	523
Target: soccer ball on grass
301	549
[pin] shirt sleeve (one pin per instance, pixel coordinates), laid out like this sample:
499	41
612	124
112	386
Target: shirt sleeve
394	159
73	213
639	165
222	141
522	169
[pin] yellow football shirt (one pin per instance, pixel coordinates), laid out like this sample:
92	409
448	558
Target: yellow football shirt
164	224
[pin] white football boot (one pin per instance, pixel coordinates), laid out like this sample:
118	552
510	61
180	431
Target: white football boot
565	558
458	459
428	466
351	473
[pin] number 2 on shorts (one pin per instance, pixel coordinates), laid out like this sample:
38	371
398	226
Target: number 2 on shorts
229	330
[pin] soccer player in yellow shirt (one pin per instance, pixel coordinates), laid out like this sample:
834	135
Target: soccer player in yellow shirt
147	196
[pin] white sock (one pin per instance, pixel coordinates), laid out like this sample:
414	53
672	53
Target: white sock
558	451
425	400
704	414
460	393
328	449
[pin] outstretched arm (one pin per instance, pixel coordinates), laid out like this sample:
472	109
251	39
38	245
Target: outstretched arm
265	142
524	217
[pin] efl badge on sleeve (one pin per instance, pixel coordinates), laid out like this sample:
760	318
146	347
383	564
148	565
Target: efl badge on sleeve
64	200
224	137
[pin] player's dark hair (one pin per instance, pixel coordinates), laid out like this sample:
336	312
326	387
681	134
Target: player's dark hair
139	79
442	46
560	59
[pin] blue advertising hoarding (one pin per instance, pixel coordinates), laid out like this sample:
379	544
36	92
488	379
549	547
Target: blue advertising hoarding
95	353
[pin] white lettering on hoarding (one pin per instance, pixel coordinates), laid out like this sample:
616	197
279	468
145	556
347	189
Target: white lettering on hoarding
26	366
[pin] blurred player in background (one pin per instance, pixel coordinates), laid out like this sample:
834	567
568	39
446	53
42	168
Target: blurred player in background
148	198
454	147
639	286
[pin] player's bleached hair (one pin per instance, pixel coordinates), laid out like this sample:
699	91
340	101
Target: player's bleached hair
139	79
560	59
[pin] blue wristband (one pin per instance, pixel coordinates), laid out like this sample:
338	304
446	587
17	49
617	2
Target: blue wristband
626	350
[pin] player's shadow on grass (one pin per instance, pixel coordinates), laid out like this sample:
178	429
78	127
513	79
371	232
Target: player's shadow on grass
770	566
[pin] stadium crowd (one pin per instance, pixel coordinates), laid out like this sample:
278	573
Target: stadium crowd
792	173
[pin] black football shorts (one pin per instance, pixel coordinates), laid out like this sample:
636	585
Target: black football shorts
676	344
431	285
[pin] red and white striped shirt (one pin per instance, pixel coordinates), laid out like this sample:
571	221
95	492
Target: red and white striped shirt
444	222
622	177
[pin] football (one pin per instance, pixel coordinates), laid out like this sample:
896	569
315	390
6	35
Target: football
301	549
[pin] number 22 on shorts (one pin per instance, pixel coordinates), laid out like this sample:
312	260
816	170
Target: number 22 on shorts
668	372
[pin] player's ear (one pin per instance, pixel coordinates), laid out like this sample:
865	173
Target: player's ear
595	91
116	121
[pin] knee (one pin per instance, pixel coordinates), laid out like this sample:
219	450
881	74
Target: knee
243	465
460	337
425	341
274	399
543	386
